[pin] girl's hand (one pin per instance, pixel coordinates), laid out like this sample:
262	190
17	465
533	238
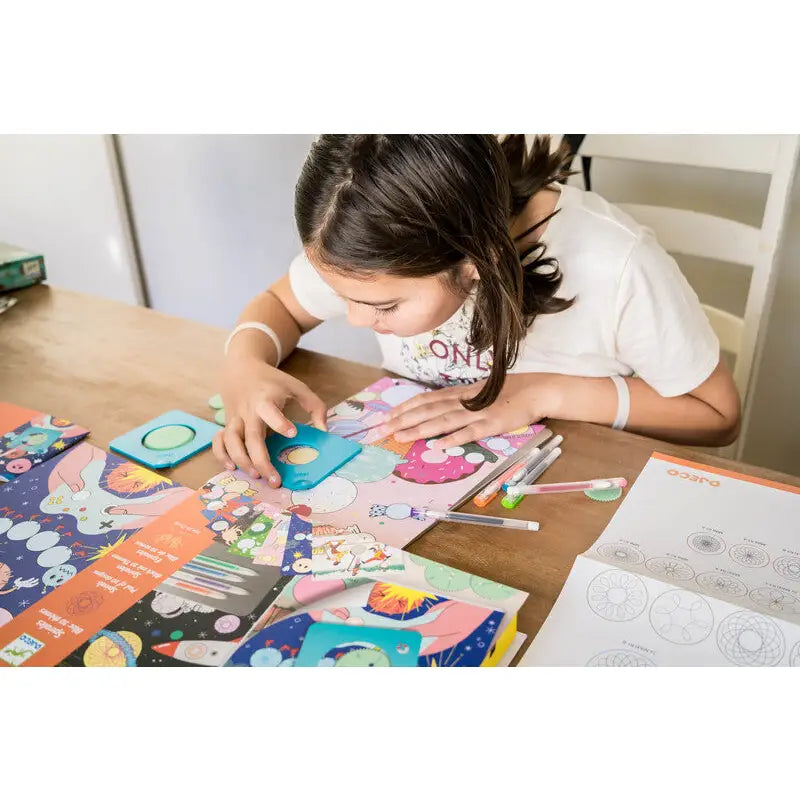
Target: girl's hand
254	394
525	399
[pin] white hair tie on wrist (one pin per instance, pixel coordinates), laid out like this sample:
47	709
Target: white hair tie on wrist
257	326
623	402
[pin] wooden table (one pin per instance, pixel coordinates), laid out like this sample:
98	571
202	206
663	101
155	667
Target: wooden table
111	367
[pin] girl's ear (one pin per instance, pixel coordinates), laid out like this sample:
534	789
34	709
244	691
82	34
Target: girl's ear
469	272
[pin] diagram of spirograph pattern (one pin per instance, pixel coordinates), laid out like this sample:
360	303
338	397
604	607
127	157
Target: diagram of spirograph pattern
787	567
794	656
748	639
748	555
617	596
621	553
709	544
620	658
775	600
669	568
681	617
722	585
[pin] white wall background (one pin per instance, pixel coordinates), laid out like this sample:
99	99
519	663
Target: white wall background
58	197
214	221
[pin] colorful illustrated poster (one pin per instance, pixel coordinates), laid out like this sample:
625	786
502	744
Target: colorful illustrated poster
71	546
698	567
453	633
403	591
386	488
203	609
31	439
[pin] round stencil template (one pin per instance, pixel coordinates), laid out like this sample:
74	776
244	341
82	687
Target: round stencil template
775	600
617	596
670	568
620	658
168	437
709	544
748	555
721	585
621	553
298	454
681	617
787	567
748	639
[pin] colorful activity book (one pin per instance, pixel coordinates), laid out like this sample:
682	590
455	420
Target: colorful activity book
698	567
386	488
66	529
452	633
463	620
105	563
29	438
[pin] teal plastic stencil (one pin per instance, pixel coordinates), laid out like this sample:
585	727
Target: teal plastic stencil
310	457
166	440
327	645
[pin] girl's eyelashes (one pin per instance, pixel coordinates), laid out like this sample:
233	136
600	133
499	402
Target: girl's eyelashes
387	310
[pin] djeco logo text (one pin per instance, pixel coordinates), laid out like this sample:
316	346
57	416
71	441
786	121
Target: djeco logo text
690	476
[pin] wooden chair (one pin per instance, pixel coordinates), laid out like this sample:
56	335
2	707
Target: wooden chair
691	233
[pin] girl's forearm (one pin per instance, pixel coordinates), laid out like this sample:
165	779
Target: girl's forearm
686	419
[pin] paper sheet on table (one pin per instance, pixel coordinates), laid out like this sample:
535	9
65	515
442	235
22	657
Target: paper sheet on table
698	567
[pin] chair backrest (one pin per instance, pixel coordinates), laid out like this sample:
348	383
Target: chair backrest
691	233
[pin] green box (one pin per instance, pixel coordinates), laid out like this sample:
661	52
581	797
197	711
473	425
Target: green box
19	268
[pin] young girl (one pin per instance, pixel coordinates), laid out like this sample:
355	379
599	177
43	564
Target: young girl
479	271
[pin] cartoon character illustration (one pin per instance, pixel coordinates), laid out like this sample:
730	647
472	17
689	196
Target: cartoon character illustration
397	511
17	466
37	436
378	553
229	508
34	441
78	487
19	583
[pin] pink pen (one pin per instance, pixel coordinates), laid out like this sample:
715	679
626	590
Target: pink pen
576	486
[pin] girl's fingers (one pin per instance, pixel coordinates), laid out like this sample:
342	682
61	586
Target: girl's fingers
255	434
405	424
421	400
221	454
470	433
445	423
234	445
274	418
452	393
311	403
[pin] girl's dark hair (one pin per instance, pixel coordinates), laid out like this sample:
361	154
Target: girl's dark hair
419	205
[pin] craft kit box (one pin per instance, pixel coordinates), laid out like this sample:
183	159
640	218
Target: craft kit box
19	268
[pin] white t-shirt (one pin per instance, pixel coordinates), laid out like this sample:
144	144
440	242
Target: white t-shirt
634	312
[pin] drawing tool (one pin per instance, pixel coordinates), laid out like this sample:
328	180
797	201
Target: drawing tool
575	486
225	565
520	475
486	495
479	519
191	587
512	501
542	436
208	582
210	572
